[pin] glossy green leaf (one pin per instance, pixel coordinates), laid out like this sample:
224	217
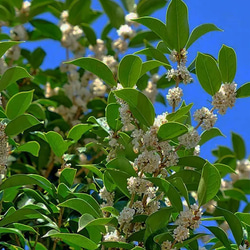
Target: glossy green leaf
4	230
20	124
89	33
244	218
154	24
171	130
209	184
96	67
140	106
177	25
149	65
223	169
47	29
238	146
24	228
113	116
114	12
122	164
227	63
191	239
147	7
4	46
78	130
234	224
36	110
235	194
243	184
56	142
93	169
208	73
31	147
12	75
80	205
141	37
74	240
129	5
179	113
129	70
192	161
10	246
200	31
209	134
18	104
79	11
243	91
67	176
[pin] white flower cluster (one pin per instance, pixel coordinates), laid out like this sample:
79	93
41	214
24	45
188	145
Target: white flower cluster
107	196
167	245
3	151
242	170
244	247
13	53
70	34
190	139
174	96
151	90
114	236
181	73
160	119
126	32
3	66
18	33
126	215
129	18
120	45
189	219
181	57
138	185
225	97
99	48
205	117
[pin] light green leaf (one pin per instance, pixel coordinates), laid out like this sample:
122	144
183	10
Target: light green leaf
149	65
31	147
12	75
4	46
122	164
177	25
238	146
72	239
243	91
243	184
140	106
209	184
18	104
78	130
129	70
227	63
36	110
209	134
179	113
93	169
20	123
171	130
208	73
154	24
192	161
113	116
234	224
129	5
141	36
200	31
96	67
244	217
114	12
67	176
147	7
223	169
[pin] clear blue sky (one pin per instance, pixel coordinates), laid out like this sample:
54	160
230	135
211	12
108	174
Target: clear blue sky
233	18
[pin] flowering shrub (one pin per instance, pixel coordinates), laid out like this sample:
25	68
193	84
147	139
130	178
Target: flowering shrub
86	164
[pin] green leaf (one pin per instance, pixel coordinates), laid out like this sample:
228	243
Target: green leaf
129	70
238	146
139	104
129	5
244	217
57	144
47	29
78	130
156	54
96	67
171	130
67	176
24	228
147	7
154	24
243	185
209	184
170	191
208	73
122	164
80	205
155	221
223	169
192	161
93	169
31	147
177	25
4	230
20	124
200	31
235	194
117	245
209	134
18	104
243	91
12	75
120	180
113	116
163	47
179	113
227	63
36	110
234	224
10	246
78	11
149	65
114	12
89	33
73	239
141	36
37	57
4	46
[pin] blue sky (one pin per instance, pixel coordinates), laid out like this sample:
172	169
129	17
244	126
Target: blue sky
228	15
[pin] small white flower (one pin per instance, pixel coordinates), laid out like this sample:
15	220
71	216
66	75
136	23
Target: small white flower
129	17
181	233
114	236
126	32
167	245
190	139
205	117
137	185
126	215
174	96
107	196
120	45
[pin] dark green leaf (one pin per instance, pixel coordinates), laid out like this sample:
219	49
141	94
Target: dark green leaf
147	7
89	33
4	46
141	37
243	91
78	130
209	134
192	161
31	147
113	116
67	176
122	164
238	146
37	57
149	65
36	110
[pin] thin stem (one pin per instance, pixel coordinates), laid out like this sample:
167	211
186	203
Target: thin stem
59	223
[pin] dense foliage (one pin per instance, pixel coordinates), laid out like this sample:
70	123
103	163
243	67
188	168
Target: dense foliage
85	163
